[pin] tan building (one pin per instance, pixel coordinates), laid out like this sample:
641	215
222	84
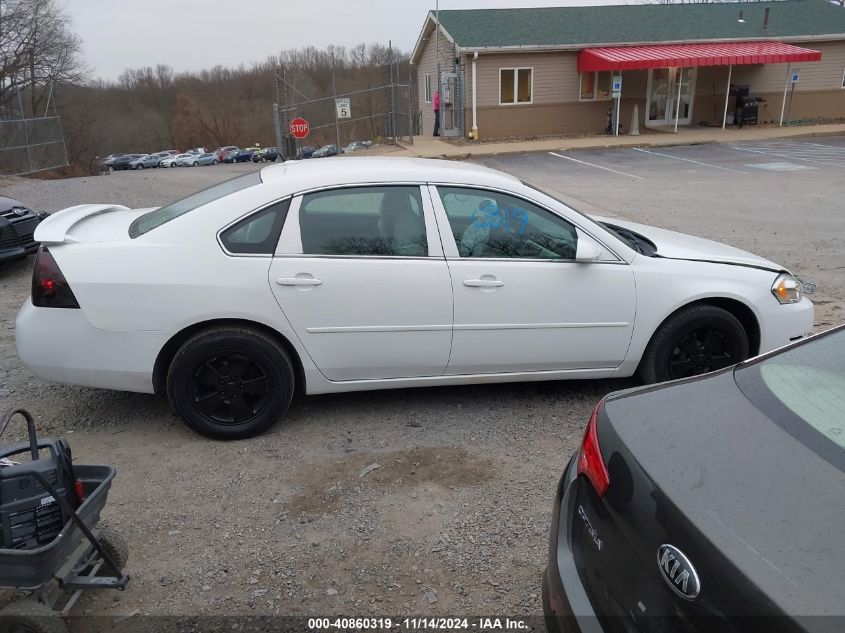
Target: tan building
550	71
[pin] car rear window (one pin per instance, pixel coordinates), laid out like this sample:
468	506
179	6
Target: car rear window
803	390
155	219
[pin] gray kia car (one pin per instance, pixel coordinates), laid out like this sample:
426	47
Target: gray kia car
714	503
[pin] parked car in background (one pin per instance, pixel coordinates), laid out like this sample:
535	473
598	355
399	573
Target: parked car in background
238	156
146	162
209	158
354	147
325	151
188	160
380	279
270	154
108	161
173	161
305	152
17	224
196	150
222	151
124	162
702	516
169	152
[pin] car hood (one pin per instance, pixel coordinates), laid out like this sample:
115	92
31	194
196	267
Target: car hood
674	245
7	204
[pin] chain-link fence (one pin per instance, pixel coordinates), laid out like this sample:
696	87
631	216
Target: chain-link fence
385	113
29	144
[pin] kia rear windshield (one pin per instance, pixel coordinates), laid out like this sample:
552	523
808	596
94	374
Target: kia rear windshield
803	390
154	219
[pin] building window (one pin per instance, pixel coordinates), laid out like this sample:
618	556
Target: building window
427	87
516	85
596	86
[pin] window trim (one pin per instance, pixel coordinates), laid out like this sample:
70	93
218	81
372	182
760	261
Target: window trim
246	216
595	86
516	70
427	87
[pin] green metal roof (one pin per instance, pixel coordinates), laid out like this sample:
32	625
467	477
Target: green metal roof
628	24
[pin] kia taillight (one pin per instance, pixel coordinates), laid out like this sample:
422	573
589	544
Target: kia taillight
49	286
590	462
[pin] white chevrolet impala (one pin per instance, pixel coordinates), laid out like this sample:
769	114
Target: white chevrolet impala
350	274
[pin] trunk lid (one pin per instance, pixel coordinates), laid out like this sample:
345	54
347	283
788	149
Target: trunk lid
674	245
757	513
86	223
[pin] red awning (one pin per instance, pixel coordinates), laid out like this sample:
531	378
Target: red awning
686	55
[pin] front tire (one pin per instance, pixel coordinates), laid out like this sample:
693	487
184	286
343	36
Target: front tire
694	341
230	382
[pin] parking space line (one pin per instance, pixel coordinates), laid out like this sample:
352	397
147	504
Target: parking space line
689	160
583	162
789	156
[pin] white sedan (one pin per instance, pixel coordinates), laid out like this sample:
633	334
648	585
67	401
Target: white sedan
175	161
374	273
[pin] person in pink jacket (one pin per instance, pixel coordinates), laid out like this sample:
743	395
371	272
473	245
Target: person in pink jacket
437	113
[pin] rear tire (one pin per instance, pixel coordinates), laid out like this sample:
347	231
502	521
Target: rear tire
230	382
696	340
29	616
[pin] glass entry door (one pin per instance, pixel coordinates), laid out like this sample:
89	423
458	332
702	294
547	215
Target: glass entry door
662	102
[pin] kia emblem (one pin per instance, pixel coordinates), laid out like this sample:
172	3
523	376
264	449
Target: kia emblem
678	572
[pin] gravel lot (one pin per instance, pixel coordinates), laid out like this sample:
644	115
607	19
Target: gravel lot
455	519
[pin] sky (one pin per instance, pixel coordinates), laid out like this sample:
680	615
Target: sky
195	34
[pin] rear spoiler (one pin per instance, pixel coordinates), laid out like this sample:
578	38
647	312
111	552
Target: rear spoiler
54	229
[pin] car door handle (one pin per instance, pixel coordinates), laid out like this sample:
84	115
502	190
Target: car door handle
483	283
298	281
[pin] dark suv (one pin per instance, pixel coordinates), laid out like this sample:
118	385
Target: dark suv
17	224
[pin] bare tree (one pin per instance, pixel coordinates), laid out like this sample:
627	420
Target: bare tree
37	48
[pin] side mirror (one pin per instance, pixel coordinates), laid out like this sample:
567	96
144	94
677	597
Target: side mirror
587	250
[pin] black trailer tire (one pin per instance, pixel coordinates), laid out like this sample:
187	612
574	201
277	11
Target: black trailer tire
116	546
696	340
230	382
29	616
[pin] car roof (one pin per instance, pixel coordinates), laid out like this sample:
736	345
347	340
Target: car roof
299	175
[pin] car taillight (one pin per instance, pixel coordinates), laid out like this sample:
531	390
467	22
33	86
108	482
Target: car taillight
590	462
49	286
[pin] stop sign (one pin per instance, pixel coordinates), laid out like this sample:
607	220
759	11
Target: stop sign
299	127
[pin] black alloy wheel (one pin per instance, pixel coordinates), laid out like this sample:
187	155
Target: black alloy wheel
230	388
230	382
695	340
702	350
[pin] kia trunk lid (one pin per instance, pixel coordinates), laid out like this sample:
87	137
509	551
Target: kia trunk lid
757	513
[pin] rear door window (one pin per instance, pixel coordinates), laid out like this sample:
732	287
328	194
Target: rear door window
257	234
364	221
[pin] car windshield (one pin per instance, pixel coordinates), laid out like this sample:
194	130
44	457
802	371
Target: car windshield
803	390
154	219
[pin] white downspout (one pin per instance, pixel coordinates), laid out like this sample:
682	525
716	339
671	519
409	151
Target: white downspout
727	96
474	99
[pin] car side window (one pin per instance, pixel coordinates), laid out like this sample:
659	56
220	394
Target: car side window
376	221
492	224
259	233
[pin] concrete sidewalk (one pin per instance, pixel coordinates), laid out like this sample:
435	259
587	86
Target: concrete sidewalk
433	147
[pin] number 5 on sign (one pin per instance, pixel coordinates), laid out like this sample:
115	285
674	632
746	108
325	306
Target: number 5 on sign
343	109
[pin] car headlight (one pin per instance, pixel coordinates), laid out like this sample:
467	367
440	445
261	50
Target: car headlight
787	289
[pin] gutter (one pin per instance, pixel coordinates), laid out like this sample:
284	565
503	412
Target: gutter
541	48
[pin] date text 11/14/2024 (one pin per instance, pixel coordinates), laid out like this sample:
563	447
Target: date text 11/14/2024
414	624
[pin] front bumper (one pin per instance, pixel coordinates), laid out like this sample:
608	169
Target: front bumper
566	606
784	324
